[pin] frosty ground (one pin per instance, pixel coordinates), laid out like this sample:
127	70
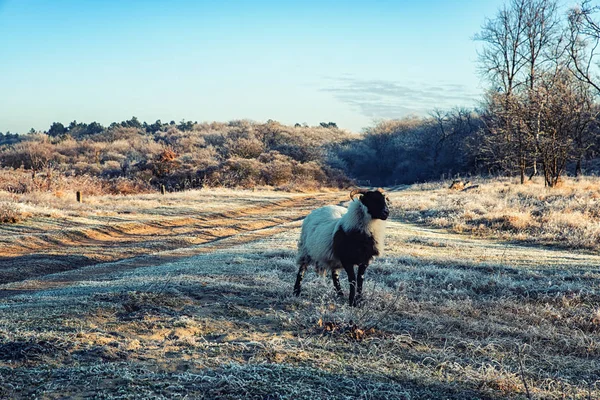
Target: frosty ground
190	295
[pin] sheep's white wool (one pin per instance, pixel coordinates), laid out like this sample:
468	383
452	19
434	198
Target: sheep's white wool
316	239
319	227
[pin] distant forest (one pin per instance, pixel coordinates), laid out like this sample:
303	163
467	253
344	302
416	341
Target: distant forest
248	154
540	118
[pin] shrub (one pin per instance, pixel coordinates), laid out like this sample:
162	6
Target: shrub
126	186
10	213
243	172
238	153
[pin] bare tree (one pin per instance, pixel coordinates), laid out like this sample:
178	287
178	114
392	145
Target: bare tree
539	51
521	44
584	39
452	129
566	109
541	34
501	59
38	152
505	144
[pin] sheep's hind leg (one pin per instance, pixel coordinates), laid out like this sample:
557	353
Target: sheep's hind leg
359	281
298	285
352	280
335	277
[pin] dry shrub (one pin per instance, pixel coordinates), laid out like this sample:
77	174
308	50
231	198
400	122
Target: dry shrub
10	213
111	167
120	146
568	215
310	171
112	156
245	147
20	181
277	155
278	166
277	173
83	168
125	186
244	172
515	221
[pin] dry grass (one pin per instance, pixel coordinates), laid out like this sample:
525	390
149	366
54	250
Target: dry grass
567	216
63	234
445	316
22	181
10	213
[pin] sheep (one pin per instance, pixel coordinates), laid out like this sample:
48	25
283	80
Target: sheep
334	237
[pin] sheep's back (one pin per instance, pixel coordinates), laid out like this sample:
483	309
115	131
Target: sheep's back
318	228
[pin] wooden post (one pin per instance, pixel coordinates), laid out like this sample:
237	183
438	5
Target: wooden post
79	197
162	189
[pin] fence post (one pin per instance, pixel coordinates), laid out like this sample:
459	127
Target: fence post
79	197
162	189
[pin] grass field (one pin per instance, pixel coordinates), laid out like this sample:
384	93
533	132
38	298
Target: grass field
189	295
567	216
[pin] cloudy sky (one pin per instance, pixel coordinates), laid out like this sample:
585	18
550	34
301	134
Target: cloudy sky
351	62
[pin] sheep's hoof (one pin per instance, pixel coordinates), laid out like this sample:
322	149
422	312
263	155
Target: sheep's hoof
340	294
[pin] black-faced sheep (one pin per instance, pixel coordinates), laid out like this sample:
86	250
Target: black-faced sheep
334	237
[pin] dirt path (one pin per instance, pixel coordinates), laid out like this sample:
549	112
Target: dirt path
28	261
73	251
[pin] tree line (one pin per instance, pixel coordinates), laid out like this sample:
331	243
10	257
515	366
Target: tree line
539	117
182	155
540	114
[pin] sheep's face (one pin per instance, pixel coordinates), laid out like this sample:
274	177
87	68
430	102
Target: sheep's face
376	203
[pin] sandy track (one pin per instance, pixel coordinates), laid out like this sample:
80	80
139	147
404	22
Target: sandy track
29	260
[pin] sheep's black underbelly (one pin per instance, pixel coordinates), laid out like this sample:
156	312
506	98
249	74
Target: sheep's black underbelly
354	247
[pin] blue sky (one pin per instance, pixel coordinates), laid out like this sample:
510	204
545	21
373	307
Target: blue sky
351	62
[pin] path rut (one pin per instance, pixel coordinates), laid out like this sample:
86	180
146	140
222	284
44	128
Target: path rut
155	242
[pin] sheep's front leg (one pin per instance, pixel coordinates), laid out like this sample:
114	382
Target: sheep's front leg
352	280
335	277
298	285
359	281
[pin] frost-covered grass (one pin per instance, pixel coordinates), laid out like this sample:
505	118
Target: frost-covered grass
567	216
60	234
445	316
61	204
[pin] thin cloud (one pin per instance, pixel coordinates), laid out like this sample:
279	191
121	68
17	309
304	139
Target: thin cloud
387	99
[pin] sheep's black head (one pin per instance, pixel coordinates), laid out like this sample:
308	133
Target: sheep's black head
375	200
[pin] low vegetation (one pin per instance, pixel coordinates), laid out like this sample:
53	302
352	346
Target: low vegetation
10	212
566	216
211	313
130	157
